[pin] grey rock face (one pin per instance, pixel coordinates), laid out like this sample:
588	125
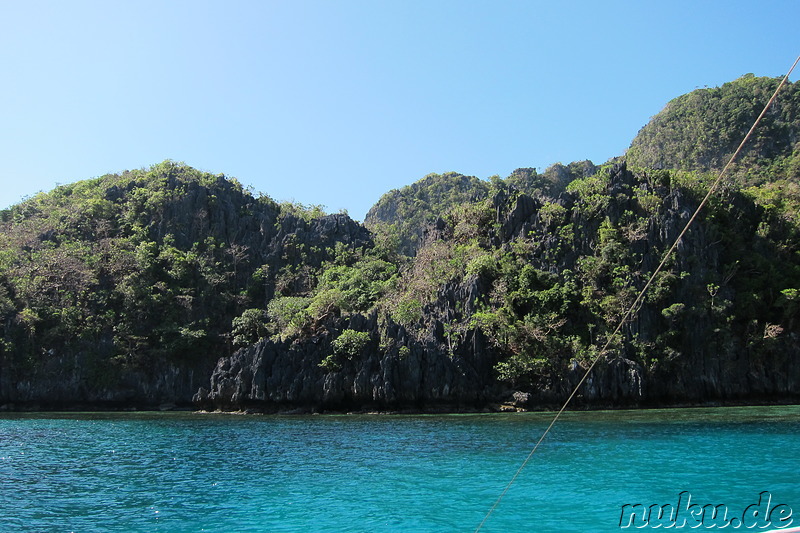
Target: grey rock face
423	369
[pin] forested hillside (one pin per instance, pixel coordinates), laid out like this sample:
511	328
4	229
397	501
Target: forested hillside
699	131
401	215
129	287
170	285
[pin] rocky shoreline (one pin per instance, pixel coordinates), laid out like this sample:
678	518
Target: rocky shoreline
441	409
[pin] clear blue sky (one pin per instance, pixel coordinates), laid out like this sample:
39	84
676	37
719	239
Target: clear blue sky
336	102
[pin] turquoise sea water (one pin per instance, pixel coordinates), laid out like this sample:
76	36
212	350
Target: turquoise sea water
176	472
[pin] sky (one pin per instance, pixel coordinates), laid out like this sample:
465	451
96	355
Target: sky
336	102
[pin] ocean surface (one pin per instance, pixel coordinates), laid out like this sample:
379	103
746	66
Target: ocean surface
186	472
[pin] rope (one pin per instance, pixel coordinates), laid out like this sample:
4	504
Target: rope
629	313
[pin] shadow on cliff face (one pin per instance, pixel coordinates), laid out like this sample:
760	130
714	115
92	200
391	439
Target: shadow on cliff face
512	294
688	344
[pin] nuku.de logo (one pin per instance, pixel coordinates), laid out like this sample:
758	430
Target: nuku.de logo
685	514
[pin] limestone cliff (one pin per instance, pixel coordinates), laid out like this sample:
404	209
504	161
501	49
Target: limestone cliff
690	342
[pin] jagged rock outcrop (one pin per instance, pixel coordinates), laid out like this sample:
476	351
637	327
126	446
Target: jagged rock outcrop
706	360
197	239
409	372
126	291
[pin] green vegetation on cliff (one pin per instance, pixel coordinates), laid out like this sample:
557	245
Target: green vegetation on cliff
401	215
131	286
137	272
109	268
554	287
699	131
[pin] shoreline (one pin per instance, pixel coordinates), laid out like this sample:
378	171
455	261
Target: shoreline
438	409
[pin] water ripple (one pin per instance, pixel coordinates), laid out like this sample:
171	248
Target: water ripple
178	472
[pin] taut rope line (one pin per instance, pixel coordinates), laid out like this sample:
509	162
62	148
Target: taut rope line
638	299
